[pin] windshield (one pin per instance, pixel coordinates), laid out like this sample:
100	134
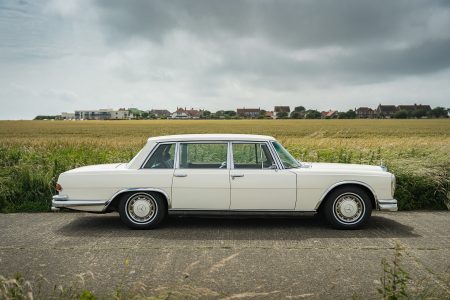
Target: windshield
287	159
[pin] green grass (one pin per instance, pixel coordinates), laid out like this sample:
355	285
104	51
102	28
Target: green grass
34	153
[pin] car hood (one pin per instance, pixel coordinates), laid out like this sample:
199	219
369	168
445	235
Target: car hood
96	168
341	167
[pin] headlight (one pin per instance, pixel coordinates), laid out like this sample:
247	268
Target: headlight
392	185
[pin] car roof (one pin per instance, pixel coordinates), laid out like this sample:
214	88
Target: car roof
211	137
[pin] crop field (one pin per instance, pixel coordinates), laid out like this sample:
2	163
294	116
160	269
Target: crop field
33	153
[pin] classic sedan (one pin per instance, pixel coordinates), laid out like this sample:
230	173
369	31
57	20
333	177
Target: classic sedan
225	173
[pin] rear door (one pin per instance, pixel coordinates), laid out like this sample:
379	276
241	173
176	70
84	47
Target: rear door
201	180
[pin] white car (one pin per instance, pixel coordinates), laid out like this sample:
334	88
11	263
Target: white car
225	173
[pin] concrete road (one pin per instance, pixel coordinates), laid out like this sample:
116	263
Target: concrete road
230	258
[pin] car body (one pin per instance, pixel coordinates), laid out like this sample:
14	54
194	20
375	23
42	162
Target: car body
225	173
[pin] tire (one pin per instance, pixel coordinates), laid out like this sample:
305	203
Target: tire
348	207
142	210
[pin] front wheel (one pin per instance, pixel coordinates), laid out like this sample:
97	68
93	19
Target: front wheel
347	208
142	210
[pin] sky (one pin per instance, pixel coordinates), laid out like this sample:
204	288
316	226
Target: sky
59	56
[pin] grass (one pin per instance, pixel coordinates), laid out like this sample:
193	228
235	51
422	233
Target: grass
34	153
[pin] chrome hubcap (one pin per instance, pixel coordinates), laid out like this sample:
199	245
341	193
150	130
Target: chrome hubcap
348	208
141	208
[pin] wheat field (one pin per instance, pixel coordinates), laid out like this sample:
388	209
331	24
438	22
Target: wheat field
33	153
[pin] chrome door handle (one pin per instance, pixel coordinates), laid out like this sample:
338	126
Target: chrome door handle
236	175
180	175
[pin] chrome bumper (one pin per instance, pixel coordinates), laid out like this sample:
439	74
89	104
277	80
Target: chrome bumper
388	205
62	201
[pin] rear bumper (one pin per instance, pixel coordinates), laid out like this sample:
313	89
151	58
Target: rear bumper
388	205
62	201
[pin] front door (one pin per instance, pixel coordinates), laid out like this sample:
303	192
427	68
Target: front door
257	183
201	180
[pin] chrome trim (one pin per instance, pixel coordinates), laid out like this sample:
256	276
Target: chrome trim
72	203
237	212
347	182
169	201
275	155
387	204
60	197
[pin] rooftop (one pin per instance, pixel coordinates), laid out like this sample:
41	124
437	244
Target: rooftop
211	137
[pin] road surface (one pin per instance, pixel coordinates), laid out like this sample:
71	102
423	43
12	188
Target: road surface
227	258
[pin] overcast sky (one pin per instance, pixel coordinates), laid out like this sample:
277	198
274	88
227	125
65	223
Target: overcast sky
64	55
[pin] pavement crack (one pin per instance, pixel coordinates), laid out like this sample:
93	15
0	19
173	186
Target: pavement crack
220	264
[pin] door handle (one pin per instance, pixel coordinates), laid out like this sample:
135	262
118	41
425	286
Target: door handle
180	175
236	175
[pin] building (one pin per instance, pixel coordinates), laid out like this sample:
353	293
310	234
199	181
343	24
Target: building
159	113
281	109
181	113
331	114
103	114
385	111
365	113
67	116
250	113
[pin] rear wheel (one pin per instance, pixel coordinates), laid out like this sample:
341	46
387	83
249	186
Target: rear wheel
142	210
347	208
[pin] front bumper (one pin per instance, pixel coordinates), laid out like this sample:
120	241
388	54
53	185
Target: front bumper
388	205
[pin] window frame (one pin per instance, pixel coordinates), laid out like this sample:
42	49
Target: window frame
178	154
230	162
271	153
153	152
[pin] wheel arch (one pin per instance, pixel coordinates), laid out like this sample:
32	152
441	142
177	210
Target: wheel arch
113	203
367	188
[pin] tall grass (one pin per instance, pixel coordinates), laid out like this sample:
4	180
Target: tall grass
34	153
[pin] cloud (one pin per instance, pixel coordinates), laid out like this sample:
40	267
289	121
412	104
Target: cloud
223	54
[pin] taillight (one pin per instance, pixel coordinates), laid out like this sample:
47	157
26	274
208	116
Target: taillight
58	187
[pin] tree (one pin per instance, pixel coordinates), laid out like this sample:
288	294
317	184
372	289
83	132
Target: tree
299	108
420	113
350	114
282	115
230	113
262	114
297	115
313	114
438	112
401	114
205	114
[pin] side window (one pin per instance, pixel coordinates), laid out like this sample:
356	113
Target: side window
251	156
203	155
162	158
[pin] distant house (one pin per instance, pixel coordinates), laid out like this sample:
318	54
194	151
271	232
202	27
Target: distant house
385	111
181	113
329	114
159	112
365	113
281	109
269	114
194	113
248	112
